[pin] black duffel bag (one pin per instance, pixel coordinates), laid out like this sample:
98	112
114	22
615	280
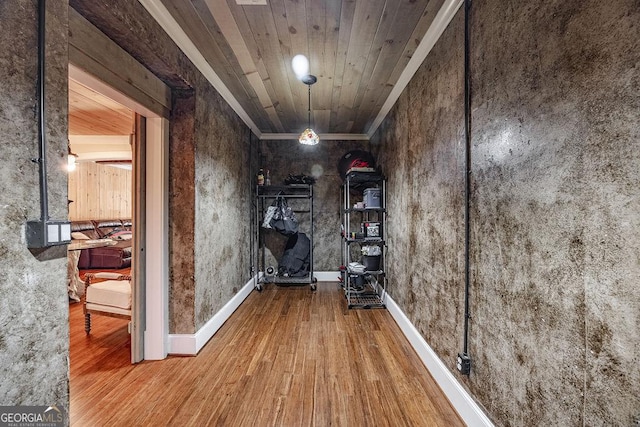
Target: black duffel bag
296	256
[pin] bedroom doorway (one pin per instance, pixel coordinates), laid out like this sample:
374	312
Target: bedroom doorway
150	194
105	140
148	164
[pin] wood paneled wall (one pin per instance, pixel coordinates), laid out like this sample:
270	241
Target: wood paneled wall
99	192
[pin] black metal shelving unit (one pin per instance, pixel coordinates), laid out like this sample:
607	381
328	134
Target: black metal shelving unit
265	195
367	288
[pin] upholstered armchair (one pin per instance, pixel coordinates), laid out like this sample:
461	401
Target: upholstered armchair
110	297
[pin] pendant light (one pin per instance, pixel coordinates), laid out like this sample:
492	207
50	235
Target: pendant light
300	65
308	136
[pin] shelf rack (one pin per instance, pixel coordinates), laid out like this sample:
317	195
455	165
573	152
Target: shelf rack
366	289
265	194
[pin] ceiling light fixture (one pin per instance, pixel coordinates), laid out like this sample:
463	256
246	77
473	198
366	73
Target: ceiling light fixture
300	65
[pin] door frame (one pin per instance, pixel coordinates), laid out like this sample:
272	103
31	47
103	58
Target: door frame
153	337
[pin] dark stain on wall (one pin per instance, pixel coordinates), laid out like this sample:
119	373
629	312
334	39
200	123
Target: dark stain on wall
554	231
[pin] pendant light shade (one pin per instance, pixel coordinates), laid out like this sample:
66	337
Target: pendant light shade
309	137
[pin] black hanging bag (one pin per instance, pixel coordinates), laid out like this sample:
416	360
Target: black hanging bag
284	220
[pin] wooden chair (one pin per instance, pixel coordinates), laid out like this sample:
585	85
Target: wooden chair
110	297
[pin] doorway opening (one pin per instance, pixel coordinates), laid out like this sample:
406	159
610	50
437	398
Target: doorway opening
101	193
144	157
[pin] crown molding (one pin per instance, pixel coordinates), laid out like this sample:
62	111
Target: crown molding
323	136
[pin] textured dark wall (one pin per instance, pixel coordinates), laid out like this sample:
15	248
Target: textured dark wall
223	201
321	161
182	153
34	326
421	147
208	167
555	226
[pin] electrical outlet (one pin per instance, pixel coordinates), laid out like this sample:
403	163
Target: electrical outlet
464	363
42	234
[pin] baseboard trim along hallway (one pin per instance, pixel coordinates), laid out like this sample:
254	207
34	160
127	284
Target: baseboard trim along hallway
191	344
467	408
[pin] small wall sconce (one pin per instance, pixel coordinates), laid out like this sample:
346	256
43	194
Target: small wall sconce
71	159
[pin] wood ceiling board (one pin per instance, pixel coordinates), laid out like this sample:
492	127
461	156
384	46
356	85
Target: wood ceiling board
347	13
93	114
444	16
236	30
365	24
179	37
85	94
290	18
356	48
231	47
321	120
324	28
265	35
332	25
254	105
316	29
426	19
396	34
380	40
201	30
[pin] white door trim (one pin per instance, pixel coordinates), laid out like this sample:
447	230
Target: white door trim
156	335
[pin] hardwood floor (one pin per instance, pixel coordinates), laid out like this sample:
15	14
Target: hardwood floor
286	357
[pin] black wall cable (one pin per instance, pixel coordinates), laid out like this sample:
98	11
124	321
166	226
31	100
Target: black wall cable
42	137
464	361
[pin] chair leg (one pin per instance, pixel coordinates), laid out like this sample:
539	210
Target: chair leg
87	322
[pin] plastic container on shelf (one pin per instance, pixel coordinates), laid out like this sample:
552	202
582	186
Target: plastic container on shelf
371	263
371	198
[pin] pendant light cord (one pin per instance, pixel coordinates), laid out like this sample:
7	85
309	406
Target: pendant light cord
309	109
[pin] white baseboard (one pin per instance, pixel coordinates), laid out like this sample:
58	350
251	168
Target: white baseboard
191	344
467	408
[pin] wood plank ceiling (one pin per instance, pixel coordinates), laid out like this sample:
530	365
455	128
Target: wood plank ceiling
100	128
358	50
91	113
